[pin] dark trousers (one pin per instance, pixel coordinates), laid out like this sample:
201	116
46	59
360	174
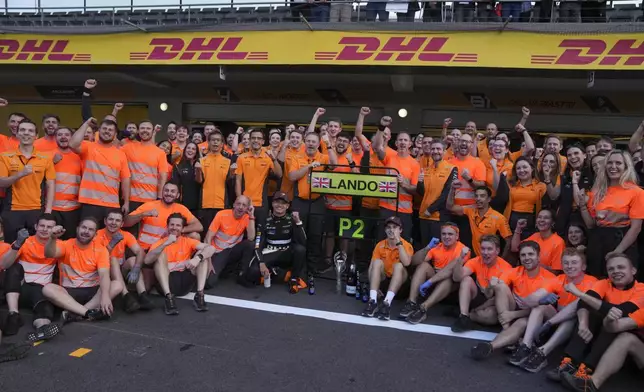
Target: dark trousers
97	212
134	230
293	258
231	259
69	221
13	221
429	229
206	216
404	218
590	353
601	241
312	216
30	293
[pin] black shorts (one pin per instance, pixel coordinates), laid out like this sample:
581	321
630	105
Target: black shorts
182	282
134	230
31	296
82	295
97	212
480	298
13	221
69	220
332	220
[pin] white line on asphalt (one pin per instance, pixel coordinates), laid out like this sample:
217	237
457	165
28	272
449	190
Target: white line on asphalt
344	318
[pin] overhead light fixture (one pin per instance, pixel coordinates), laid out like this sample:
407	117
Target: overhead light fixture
402	113
163	107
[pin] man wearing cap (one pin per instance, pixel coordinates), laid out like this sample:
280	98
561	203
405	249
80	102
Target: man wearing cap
390	258
280	242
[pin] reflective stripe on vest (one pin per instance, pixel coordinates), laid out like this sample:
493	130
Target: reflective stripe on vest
223	241
71	278
98	195
37	273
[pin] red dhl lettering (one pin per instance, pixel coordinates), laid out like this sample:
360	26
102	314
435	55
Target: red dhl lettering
595	52
38	50
199	49
398	49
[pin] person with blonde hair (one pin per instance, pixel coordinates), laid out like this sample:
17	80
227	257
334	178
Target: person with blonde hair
613	211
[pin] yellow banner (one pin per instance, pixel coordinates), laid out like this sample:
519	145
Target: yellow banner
451	49
353	184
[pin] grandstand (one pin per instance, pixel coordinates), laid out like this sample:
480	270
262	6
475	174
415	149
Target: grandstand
232	12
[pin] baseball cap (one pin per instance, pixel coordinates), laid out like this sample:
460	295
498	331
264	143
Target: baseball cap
395	220
279	195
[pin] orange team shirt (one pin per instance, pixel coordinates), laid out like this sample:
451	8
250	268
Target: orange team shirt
4	248
31	256
609	293
203	147
490	223
255	171
68	177
504	166
26	192
104	169
523	285
409	168
436	179
179	253
176	148
441	256
104	237
483	150
146	162
373	203
304	184
44	144
465	194
424	162
563	162
556	286
340	202
228	231
79	265
390	256
8	143
153	228
325	148
627	200
215	168
287	185
483	272
551	249
527	198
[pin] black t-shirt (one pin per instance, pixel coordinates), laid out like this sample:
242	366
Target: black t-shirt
184	175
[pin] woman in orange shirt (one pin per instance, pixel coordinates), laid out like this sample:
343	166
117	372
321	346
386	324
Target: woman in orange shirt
525	194
613	211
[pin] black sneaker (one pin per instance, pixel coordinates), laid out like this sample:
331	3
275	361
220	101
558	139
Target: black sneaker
14	352
535	362
481	351
96	315
44	332
520	356
462	324
145	303
68	317
12	324
418	316
452	312
576	383
371	309
565	366
199	302
385	312
130	304
409	308
171	305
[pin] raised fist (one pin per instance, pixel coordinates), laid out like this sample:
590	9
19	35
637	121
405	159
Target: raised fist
90	83
385	121
365	111
320	111
57	231
525	111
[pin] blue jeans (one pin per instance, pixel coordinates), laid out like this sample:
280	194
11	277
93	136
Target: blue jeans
320	13
513	9
377	8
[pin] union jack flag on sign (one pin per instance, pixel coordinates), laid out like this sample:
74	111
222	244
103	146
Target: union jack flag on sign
318	182
388	187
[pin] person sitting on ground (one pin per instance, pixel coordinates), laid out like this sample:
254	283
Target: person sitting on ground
390	258
280	242
516	292
611	306
435	274
179	263
626	344
118	242
475	296
550	243
27	272
226	235
557	308
85	290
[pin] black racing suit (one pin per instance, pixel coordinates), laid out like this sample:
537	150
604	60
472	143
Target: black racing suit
279	243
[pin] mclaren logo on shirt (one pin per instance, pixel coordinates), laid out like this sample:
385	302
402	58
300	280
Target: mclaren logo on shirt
353	184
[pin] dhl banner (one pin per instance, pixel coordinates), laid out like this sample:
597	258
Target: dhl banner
353	184
451	49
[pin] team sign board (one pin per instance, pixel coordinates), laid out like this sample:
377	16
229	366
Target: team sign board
509	49
354	184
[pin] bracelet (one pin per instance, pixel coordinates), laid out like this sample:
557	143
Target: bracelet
399	243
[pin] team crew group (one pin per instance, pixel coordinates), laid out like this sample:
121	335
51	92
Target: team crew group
540	243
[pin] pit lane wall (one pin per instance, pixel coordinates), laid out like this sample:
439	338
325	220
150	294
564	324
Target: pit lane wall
509	49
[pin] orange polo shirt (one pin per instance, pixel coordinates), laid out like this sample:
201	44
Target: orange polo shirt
228	231
490	223
390	256
153	228
44	144
551	249
104	237
441	256
556	286
436	179
465	194
522	285
484	272
26	192
409	169
79	265
303	184
627	200
255	171
216	169
179	253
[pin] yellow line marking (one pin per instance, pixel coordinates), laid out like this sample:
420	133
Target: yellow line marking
38	343
80	352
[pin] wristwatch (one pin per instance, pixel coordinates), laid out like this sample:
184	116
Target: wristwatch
398	243
200	257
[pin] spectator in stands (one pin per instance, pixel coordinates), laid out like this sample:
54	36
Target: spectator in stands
340	11
300	7
376	8
184	175
319	11
463	11
486	12
570	11
432	11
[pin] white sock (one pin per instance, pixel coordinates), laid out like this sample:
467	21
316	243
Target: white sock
373	295
389	297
